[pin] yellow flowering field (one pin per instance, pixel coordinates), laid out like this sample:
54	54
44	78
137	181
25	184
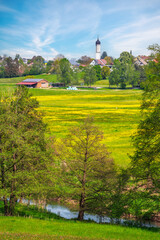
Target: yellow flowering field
116	113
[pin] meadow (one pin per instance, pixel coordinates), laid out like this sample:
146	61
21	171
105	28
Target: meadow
115	111
30	228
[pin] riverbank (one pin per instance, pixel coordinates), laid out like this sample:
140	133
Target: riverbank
29	228
33	223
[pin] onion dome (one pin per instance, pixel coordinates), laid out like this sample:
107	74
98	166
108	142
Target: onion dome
98	42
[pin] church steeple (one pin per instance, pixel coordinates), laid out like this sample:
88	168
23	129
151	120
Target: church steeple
98	49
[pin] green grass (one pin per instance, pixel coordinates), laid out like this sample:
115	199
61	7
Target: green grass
31	211
50	78
116	113
28	228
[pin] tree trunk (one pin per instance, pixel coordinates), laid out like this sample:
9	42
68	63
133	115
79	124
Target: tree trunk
81	207
12	196
3	187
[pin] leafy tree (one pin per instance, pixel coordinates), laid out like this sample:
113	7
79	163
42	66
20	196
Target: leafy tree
104	54
142	75
118	75
105	72
132	76
38	65
85	60
126	57
87	167
145	163
109	60
66	74
23	149
49	66
98	72
89	75
2	71
11	67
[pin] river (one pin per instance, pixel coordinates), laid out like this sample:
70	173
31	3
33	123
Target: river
67	213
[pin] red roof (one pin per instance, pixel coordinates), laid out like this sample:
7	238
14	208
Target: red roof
26	83
102	62
155	60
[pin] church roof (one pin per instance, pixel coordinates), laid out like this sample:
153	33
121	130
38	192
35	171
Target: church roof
98	42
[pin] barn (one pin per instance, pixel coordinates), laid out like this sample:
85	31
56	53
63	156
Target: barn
35	83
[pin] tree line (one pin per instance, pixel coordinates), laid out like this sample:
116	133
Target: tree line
79	167
124	71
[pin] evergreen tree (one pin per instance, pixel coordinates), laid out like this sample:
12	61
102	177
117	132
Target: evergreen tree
104	54
23	149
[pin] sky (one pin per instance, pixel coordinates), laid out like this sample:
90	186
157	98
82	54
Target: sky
70	27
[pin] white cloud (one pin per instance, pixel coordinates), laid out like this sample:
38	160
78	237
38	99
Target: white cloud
28	53
135	36
4	8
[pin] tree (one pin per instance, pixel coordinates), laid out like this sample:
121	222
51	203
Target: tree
142	75
49	66
85	60
118	75
104	54
98	72
38	65
11	67
132	76
145	163
66	74
105	72
87	167
126	57
109	60
89	75
23	149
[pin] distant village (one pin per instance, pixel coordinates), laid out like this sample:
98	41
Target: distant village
102	64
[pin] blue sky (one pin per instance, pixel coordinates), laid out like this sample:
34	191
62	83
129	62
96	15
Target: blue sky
70	27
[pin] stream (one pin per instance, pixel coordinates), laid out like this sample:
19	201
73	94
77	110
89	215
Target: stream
67	213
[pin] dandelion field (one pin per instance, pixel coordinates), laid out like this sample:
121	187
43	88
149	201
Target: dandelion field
115	112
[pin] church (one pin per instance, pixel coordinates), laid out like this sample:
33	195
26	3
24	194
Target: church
98	60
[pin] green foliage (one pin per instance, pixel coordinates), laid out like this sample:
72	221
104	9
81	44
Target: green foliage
11	67
126	57
124	72
89	75
98	72
104	54
145	163
88	169
23	150
105	72
66	74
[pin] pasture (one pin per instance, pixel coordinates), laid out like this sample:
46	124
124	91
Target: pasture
116	112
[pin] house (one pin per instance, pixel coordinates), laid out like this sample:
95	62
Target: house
101	62
34	83
140	61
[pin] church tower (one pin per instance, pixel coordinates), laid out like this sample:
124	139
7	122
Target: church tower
98	49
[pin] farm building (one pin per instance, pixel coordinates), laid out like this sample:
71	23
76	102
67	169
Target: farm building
35	83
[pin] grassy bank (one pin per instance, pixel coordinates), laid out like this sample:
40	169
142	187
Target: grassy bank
28	228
